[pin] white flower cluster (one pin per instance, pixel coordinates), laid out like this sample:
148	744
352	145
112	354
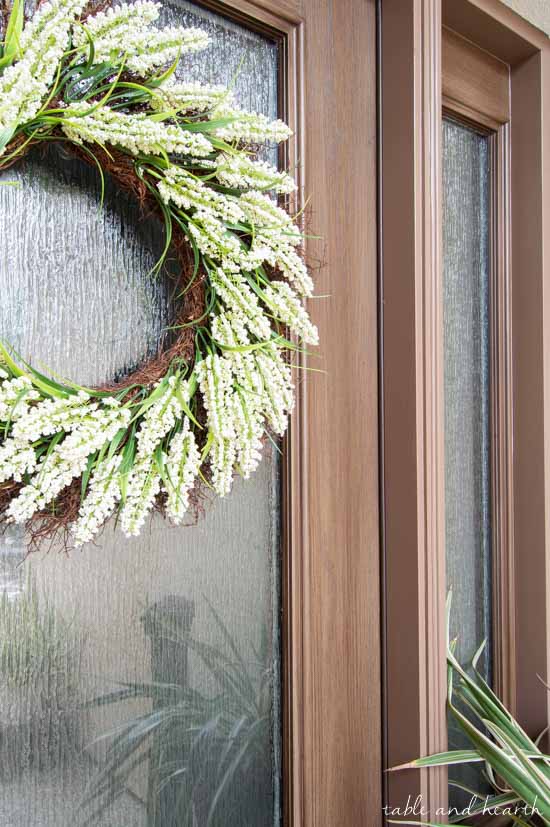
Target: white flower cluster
51	416
238	171
278	399
238	296
16	460
188	192
136	132
189	97
275	249
67	459
143	487
52	475
283	303
113	24
160	417
146	50
30	422
249	430
249	127
98	427
214	239
101	500
288	308
144	481
242	391
234	124
25	84
126	33
216	384
158	47
261	373
263	212
182	464
15	394
275	240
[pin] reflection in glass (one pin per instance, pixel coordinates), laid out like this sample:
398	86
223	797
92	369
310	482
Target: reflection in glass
139	679
467	447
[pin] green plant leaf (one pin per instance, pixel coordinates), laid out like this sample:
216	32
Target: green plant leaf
14	29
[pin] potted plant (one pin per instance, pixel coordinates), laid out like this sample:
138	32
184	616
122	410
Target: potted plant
514	766
208	753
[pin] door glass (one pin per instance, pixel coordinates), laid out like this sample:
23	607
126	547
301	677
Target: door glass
139	679
467	401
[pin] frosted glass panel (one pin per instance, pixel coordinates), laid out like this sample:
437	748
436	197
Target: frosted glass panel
466	323
139	679
467	450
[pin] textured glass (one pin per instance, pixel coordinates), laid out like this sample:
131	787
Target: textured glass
466	336
139	679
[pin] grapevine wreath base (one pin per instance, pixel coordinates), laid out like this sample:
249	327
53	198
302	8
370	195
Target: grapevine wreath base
102	82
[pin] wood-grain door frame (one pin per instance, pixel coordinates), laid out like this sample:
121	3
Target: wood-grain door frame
476	91
413	457
330	505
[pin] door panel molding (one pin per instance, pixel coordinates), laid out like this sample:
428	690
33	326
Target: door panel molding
415	674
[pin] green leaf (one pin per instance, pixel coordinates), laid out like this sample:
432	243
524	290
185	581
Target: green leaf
10	50
523	782
6	136
86	476
185	407
441	759
459	756
128	457
536	777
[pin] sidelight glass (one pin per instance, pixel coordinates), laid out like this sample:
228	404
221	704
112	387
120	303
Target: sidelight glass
466	285
139	679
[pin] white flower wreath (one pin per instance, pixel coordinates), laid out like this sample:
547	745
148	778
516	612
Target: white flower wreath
99	83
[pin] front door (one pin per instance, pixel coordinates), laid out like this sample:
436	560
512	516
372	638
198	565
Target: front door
224	672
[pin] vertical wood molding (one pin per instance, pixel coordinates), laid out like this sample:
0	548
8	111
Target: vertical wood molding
545	176
294	480
413	396
341	610
502	396
545	152
531	325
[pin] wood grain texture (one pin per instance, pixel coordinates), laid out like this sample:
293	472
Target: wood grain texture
274	16
287	8
414	523
341	669
502	404
474	82
530	309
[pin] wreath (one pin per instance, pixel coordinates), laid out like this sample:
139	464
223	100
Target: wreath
102	82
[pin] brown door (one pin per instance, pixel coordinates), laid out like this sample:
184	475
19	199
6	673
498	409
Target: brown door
465	329
284	574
